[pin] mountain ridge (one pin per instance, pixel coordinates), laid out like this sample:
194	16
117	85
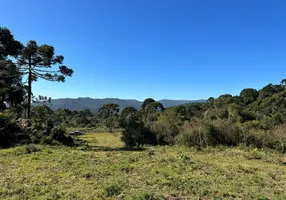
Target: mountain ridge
94	104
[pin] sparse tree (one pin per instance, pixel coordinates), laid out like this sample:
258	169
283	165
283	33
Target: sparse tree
40	62
43	100
109	114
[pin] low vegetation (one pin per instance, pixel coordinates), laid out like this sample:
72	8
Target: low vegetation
104	169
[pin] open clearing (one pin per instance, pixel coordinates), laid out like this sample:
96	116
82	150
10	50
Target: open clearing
105	170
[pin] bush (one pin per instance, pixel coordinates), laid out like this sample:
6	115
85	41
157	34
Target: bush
254	138
166	127
210	134
226	133
193	134
112	189
23	132
9	131
274	138
254	154
132	134
58	134
278	135
31	149
27	132
135	134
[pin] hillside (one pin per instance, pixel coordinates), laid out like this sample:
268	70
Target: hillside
95	104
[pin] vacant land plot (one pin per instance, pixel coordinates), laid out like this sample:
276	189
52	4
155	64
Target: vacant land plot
103	169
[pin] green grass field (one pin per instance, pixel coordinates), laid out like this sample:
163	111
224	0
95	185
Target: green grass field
105	170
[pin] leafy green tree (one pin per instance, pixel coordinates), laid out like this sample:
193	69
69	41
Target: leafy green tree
146	103
283	83
109	114
8	45
211	101
40	114
40	62
194	110
63	117
237	100
11	89
85	113
267	91
249	95
182	112
223	100
124	113
81	121
150	110
133	134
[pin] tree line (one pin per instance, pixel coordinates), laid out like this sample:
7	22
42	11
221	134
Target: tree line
253	118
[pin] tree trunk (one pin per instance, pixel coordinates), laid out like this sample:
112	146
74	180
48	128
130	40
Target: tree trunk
2	102
29	90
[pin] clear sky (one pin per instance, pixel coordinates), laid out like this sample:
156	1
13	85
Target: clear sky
174	49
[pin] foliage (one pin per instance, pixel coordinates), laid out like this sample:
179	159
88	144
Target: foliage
167	127
112	189
35	61
125	113
9	131
109	114
11	90
58	133
249	95
150	110
135	134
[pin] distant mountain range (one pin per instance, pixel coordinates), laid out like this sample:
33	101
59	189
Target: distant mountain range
95	104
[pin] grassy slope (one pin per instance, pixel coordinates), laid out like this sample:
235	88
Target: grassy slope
106	171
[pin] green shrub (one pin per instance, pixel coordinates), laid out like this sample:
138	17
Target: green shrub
167	127
135	134
254	154
9	131
210	134
274	138
112	189
226	133
148	196
58	134
195	135
30	148
278	135
254	138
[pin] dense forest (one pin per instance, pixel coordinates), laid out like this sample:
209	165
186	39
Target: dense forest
253	118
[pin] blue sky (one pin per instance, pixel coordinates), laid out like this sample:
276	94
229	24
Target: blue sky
173	49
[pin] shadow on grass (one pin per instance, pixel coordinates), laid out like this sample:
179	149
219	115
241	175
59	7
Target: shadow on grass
106	149
84	146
